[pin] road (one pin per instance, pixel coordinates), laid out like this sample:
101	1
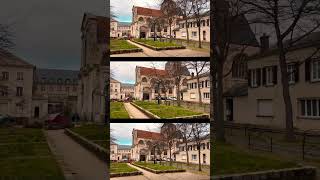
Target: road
80	162
147	52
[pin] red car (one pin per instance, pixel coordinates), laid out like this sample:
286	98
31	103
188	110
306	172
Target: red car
58	121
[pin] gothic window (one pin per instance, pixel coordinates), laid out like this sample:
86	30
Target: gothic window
141	142
144	79
141	19
240	66
59	81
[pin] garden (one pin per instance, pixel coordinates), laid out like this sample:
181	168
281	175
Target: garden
229	159
25	154
158	45
165	112
118	111
121	168
122	46
93	132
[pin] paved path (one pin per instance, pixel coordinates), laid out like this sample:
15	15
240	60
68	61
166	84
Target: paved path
164	176
82	163
133	112
147	52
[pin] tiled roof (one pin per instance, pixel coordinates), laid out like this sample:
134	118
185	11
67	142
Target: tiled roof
152	71
148	135
114	81
54	76
8	59
148	11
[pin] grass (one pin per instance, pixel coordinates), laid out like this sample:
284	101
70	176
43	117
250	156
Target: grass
121	45
93	132
157	167
117	111
157	43
121	168
25	154
229	159
164	111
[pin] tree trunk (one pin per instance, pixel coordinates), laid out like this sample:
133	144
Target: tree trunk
187	152
170	156
199	91
154	33
154	155
199	153
178	95
219	114
170	34
199	30
187	30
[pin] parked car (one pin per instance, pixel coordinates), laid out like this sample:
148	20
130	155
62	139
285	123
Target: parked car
172	98
6	120
58	121
125	160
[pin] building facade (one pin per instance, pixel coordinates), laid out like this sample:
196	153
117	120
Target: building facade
16	86
120	91
120	152
191	93
119	29
262	102
93	71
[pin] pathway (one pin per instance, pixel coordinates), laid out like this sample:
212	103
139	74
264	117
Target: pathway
83	164
164	176
134	112
147	52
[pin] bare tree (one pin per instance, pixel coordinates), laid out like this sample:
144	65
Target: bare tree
169	134
185	7
6	37
200	67
186	132
152	22
292	21
199	6
200	132
170	10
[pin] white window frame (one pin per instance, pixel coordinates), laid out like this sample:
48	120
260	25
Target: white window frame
315	75
194	157
269	76
254	78
192	95
313	109
206	95
291	73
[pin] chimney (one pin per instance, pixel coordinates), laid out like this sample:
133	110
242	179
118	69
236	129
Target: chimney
192	74
264	41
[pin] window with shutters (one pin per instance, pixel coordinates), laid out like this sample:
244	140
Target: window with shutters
315	70
310	107
269	76
254	82
291	69
264	107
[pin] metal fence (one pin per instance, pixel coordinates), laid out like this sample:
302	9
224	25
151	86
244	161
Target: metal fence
306	144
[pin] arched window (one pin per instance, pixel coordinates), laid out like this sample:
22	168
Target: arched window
184	82
59	81
240	66
141	142
141	19
67	81
144	79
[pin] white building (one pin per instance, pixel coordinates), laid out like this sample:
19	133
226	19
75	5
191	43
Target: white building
120	152
119	29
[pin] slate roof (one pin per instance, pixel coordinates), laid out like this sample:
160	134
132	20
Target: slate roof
124	147
54	76
124	23
126	85
237	90
9	59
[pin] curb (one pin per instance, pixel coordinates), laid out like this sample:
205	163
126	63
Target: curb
159	171
125	174
146	112
159	49
99	151
125	51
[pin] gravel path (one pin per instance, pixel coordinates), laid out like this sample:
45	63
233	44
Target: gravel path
80	162
164	176
134	113
147	52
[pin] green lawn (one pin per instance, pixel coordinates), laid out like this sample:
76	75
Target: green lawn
121	45
156	166
229	159
164	111
95	133
157	43
25	154
121	168
117	111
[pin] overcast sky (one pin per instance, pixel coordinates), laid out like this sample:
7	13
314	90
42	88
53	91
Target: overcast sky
48	31
125	71
122	132
122	9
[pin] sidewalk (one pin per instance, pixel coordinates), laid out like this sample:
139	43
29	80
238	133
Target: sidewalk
83	164
134	113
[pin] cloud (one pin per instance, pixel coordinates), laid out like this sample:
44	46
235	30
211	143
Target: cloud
125	71
122	9
122	132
